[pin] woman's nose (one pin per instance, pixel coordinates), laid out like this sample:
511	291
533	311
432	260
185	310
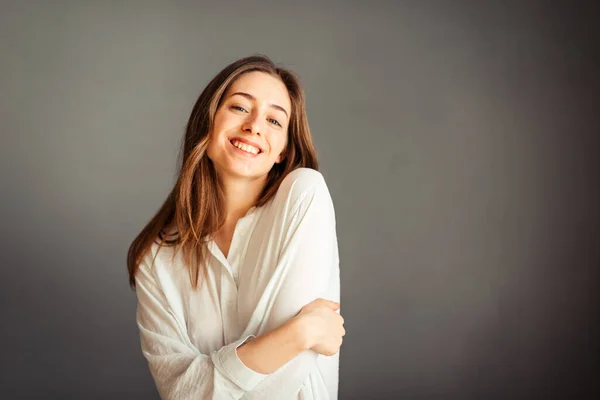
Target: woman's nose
252	124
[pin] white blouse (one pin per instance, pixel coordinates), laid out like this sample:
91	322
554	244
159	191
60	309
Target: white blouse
283	255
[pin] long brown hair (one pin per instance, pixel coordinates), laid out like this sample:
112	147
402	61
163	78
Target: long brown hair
194	208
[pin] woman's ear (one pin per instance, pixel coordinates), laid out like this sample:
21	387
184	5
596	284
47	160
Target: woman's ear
282	155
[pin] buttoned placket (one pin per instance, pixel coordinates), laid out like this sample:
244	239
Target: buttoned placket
230	269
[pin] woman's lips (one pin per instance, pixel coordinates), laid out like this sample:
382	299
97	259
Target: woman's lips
242	152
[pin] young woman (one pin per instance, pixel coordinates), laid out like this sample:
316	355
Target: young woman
237	275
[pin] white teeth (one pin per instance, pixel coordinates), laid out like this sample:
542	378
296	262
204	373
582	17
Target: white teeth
246	147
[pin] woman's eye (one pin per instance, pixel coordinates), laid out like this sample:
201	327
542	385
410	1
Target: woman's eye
274	122
238	108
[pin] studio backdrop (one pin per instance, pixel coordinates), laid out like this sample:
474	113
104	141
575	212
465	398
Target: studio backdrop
459	141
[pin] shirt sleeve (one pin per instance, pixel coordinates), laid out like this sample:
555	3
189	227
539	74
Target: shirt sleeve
179	370
307	268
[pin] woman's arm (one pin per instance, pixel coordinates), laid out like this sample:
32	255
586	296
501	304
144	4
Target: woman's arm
270	351
317	327
307	268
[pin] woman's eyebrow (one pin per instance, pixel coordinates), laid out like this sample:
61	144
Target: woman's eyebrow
250	97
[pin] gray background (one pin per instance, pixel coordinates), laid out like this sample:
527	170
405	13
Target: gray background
459	141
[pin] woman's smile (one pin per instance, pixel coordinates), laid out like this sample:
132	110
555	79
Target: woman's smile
244	149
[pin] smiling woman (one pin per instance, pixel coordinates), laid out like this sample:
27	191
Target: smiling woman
251	123
237	274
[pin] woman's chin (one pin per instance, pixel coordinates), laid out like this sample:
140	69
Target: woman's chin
241	172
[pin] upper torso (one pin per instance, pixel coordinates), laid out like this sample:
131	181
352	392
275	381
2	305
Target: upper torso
235	295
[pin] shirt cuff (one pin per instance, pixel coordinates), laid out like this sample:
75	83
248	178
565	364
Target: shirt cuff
229	364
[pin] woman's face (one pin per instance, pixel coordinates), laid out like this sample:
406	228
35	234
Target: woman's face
250	129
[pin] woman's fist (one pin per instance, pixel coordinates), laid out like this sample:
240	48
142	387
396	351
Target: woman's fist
323	326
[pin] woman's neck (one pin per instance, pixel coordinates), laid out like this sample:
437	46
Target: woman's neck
239	196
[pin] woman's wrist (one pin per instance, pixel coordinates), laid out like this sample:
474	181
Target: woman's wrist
270	351
302	329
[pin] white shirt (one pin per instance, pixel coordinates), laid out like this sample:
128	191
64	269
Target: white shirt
283	255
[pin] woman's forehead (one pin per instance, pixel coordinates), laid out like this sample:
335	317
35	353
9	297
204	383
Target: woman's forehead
263	87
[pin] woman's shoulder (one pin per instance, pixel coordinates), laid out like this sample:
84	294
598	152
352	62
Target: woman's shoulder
302	182
303	179
159	255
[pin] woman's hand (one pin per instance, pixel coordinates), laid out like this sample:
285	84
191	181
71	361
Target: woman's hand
323	326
